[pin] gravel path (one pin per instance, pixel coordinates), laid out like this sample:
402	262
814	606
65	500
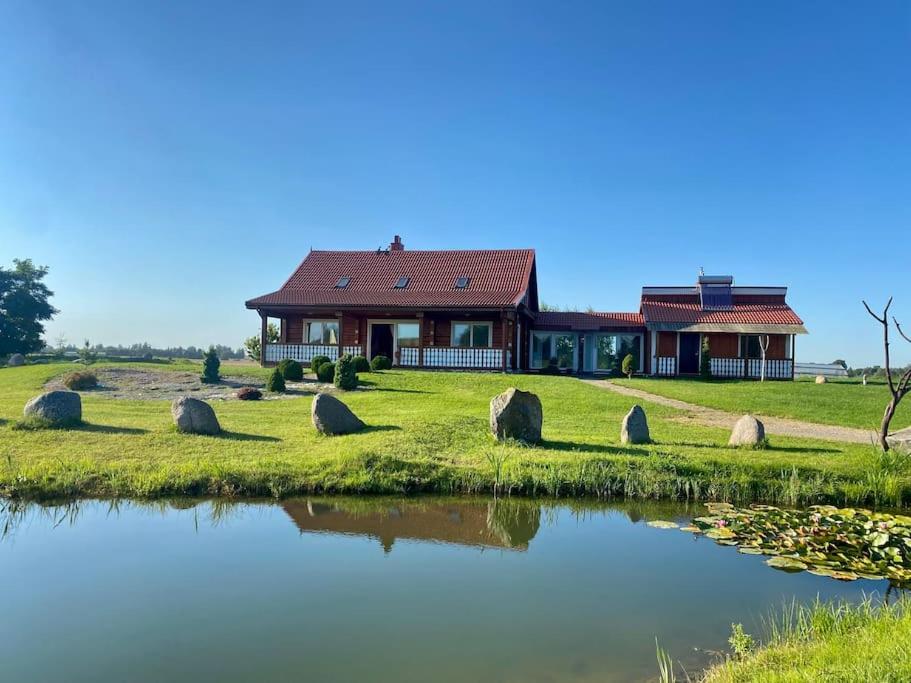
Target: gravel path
710	417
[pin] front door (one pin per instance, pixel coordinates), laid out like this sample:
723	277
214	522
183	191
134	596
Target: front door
381	340
689	353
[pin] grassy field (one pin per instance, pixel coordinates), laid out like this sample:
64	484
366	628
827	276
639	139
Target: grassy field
846	403
829	644
428	432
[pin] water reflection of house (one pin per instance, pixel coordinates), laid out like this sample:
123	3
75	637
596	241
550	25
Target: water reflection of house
496	524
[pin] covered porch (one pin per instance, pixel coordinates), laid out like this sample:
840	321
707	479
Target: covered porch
480	340
732	354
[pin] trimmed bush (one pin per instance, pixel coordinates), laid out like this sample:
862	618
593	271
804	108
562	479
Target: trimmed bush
345	373
210	367
326	372
276	381
381	363
316	362
291	370
249	394
705	360
627	367
361	364
79	381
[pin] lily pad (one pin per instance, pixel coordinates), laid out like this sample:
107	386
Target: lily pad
663	524
786	563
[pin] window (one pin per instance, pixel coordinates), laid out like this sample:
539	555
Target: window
629	344
408	334
342	282
605	352
611	349
749	346
471	334
462	282
557	350
401	283
322	332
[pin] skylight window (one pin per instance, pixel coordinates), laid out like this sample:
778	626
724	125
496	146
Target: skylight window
342	282
462	282
402	282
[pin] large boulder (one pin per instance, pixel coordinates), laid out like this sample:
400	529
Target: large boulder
59	408
748	431
516	414
901	439
331	416
634	428
820	379
16	360
193	416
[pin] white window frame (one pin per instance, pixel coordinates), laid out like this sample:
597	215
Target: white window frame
305	336
471	323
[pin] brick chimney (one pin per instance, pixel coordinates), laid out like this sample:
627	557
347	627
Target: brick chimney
396	244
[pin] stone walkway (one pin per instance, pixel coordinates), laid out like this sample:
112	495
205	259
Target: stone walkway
710	417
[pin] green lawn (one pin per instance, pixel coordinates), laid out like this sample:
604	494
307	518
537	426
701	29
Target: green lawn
428	432
846	403
829	644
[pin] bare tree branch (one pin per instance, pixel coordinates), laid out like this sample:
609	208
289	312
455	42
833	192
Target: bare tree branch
899	328
882	320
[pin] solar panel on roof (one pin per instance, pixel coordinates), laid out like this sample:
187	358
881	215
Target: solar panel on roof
716	297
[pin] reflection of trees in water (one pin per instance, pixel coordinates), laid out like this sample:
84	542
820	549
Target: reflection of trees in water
514	522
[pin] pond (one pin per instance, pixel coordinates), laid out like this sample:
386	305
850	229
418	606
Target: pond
354	589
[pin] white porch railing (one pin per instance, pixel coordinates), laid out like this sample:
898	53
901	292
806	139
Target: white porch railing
665	366
304	353
776	368
454	357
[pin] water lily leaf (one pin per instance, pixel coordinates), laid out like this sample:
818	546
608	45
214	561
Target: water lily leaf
719	533
786	563
879	538
746	550
662	524
691	529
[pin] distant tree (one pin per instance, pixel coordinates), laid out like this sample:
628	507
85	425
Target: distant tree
23	307
705	360
87	354
252	344
210	367
898	389
627	367
840	362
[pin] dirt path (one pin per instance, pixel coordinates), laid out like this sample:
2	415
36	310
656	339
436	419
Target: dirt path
710	417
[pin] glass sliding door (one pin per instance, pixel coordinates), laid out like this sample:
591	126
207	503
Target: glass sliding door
556	350
541	350
611	349
606	353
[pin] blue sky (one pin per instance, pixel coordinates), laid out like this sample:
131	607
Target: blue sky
170	160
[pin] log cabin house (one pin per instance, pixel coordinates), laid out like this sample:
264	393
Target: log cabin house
479	310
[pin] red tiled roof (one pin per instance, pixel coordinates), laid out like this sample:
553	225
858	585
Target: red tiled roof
586	321
498	277
739	314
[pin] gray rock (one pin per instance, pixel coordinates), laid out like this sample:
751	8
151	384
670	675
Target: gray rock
634	428
748	431
60	408
901	439
820	379
516	414
16	360
331	416
193	416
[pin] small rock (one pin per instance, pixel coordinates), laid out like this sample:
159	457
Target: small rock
820	379
634	428
748	431
331	416
16	360
60	408
516	414
193	416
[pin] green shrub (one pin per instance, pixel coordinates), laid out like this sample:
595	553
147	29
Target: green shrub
628	365
78	381
552	368
249	394
210	367
316	362
705	360
326	372
276	381
291	370
381	363
346	373
361	364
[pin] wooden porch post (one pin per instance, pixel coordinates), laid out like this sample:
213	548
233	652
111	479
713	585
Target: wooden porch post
793	341
421	340
504	335
263	338
338	316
